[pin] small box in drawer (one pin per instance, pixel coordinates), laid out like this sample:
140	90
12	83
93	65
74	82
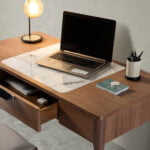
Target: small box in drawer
28	110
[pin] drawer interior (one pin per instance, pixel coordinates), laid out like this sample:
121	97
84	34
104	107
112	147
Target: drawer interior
26	107
31	97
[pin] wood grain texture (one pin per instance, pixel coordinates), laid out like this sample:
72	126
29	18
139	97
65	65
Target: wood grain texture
121	113
76	120
13	46
49	112
22	109
99	141
130	117
43	113
102	103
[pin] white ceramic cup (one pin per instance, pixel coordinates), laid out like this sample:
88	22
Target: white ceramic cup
133	69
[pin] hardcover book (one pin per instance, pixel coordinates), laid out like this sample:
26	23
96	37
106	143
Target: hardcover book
112	86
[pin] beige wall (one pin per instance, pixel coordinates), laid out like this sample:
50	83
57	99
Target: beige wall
133	32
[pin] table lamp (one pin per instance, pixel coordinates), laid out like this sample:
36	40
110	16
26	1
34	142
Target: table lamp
32	9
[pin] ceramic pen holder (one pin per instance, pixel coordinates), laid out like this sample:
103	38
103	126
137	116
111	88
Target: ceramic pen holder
133	70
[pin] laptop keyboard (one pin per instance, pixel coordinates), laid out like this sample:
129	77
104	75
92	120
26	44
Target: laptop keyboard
76	60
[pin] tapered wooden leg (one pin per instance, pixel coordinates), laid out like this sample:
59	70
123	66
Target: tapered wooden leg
99	140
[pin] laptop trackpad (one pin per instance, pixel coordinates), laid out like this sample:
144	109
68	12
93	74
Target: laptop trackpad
79	71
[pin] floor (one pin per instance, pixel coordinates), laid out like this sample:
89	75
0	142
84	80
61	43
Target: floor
53	135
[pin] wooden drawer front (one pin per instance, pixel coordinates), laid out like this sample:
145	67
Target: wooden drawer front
76	121
21	109
49	112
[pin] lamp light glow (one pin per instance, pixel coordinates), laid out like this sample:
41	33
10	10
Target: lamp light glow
33	8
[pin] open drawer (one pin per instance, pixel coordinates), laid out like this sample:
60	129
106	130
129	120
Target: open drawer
26	108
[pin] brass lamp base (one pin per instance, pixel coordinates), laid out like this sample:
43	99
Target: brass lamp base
32	38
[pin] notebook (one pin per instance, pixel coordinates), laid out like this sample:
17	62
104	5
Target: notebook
108	85
86	45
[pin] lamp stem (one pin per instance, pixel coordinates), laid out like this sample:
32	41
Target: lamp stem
29	27
31	38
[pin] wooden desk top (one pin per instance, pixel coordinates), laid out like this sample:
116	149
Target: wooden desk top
89	99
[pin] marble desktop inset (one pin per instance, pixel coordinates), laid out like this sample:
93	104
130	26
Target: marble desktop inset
59	81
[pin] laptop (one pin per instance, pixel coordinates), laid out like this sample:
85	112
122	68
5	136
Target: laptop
86	45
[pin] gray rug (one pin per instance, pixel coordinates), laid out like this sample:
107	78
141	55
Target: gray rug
53	135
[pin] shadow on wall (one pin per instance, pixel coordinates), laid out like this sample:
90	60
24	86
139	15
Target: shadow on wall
123	43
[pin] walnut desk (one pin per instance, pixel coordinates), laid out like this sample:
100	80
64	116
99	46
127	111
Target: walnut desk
91	112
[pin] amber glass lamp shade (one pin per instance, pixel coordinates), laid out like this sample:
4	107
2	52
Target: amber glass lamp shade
32	9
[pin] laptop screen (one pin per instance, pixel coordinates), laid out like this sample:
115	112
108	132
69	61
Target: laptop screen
88	35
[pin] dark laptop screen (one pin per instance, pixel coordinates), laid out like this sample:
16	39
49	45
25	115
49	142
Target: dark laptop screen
88	35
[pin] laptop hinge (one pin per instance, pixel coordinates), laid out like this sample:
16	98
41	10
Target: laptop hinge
83	56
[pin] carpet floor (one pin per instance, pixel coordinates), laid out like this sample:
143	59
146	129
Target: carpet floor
53	135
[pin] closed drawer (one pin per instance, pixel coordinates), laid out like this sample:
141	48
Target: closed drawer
76	120
26	111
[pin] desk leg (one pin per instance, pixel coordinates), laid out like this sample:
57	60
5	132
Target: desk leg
99	138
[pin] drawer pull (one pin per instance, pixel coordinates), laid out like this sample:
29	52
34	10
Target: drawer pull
5	95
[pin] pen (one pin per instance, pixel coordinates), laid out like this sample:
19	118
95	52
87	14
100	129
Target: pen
134	57
134	54
139	57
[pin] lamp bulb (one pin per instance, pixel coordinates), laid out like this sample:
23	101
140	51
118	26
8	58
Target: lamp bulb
33	8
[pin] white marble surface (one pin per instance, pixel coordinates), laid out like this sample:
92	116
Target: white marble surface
59	81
